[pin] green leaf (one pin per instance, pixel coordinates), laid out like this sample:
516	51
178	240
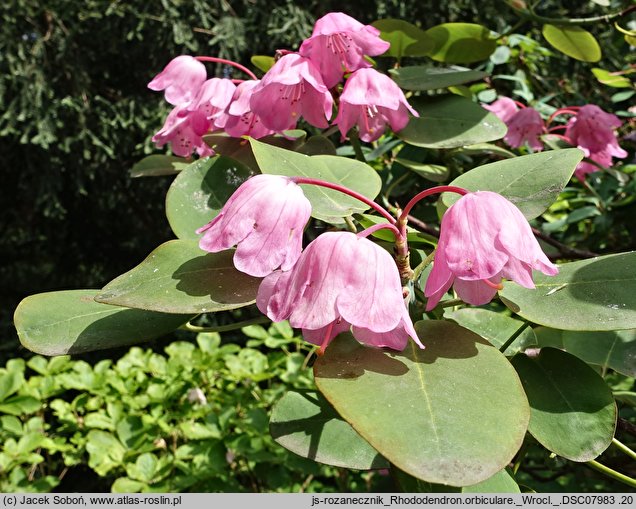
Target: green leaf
610	350
10	382
157	165
494	327
144	469
409	484
610	79
240	150
432	172
178	277
262	62
626	397
461	43
11	424
306	424
422	77
489	148
572	410
532	182
327	205
71	321
406	39
105	452
126	485
574	41
598	294
199	192
453	413
501	482
451	121
20	405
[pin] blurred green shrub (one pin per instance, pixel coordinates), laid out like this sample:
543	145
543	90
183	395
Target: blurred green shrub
193	419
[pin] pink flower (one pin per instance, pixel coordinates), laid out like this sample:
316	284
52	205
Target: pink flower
504	108
213	98
241	120
265	218
525	126
338	44
291	88
340	281
371	100
184	129
592	130
483	238
180	79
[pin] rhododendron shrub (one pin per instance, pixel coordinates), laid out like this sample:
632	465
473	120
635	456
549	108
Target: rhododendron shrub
379	214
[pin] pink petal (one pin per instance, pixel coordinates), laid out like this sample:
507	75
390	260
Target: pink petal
476	293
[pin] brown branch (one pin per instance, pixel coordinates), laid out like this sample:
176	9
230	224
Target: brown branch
422	226
566	251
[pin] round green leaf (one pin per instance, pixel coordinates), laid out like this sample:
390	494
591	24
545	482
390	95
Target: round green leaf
598	294
431	78
494	327
327	205
458	43
157	165
57	323
572	410
453	413
432	172
178	277
532	182
610	350
451	121
574	41
262	62
306	424
199	192
501	482
610	79
487	148
406	39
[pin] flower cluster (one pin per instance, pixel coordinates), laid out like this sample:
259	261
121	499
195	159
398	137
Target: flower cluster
299	85
590	128
343	281
320	290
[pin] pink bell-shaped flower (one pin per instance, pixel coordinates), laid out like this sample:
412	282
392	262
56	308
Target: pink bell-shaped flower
184	129
241	120
371	100
341	281
264	218
483	237
338	45
292	88
592	130
180	79
504	108
525	126
212	100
